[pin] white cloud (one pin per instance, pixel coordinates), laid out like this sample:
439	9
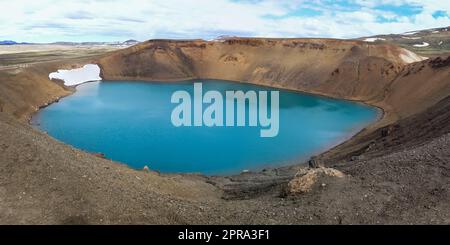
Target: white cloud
108	20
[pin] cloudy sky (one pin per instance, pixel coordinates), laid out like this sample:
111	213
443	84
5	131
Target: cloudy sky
118	20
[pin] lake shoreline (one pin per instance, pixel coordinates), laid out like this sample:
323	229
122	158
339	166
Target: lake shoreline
294	164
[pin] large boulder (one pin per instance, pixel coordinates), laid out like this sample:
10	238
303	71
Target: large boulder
306	178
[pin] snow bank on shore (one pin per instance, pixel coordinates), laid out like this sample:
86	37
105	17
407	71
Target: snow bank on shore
74	77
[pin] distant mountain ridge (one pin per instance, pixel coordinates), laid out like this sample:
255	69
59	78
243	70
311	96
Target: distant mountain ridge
125	43
10	42
429	42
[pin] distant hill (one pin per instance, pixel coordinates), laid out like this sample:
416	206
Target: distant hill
7	42
126	43
425	42
130	42
10	42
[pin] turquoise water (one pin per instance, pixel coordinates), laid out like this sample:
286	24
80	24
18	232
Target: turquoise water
130	122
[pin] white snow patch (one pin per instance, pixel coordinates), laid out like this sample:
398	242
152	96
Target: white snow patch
373	39
412	38
410	33
422	45
74	77
216	40
410	57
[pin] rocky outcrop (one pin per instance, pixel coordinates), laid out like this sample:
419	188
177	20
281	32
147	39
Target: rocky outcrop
305	179
440	62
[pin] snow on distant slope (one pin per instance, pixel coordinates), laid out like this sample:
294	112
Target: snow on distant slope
412	38
74	77
373	39
410	57
410	33
422	45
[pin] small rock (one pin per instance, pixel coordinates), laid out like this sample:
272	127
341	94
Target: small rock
314	162
100	155
386	131
354	158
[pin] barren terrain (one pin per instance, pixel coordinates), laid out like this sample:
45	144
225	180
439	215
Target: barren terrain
395	171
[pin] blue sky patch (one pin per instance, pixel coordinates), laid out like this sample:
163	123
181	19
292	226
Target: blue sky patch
401	10
440	13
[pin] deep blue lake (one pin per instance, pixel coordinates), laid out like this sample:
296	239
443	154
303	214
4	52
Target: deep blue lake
130	122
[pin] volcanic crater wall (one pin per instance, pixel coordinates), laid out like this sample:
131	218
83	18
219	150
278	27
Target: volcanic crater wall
380	75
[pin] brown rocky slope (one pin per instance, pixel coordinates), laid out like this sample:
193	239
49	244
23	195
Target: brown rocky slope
395	171
339	68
